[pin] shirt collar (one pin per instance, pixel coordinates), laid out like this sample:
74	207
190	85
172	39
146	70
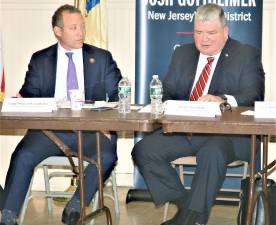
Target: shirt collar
216	56
63	50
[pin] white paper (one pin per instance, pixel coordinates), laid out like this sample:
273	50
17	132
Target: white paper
136	107
265	110
145	109
65	104
248	113
192	108
29	105
99	104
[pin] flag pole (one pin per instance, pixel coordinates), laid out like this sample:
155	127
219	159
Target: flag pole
76	3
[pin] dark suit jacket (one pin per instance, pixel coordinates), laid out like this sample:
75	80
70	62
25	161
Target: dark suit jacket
101	74
238	72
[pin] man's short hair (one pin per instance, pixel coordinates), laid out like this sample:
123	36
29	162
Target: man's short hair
210	12
57	19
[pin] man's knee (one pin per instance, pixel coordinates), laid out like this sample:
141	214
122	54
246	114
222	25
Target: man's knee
136	151
140	152
110	159
212	156
26	159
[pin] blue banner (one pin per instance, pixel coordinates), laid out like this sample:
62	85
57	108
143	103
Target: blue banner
162	25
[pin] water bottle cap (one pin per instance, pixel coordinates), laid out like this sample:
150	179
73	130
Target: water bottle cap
155	76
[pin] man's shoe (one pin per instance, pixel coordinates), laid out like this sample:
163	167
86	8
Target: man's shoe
202	219
70	219
181	211
190	218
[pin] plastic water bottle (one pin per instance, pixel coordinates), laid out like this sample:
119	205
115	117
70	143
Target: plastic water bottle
124	92
156	94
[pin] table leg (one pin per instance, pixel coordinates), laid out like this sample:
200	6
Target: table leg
81	178
265	151
98	164
264	178
251	188
100	181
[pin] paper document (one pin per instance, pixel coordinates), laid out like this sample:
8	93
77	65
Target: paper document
145	109
65	104
248	113
29	105
265	110
99	104
192	108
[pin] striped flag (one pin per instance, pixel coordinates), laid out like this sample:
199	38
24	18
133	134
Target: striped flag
94	12
2	73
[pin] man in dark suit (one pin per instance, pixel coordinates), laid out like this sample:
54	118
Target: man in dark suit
1	195
236	74
97	76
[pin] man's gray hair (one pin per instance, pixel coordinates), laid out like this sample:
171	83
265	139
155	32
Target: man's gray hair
210	12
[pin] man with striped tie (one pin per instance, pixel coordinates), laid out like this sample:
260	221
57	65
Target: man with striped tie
213	68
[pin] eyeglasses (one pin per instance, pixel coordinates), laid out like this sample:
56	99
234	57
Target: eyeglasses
225	106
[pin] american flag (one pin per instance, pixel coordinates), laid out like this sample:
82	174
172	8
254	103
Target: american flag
2	72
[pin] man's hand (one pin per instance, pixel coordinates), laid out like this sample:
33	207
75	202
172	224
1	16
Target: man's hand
210	98
107	134
18	95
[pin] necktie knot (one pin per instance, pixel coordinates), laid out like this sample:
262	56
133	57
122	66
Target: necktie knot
210	60
69	54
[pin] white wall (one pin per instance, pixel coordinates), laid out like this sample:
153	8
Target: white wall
26	28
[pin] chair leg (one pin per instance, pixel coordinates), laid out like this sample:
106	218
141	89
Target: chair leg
115	194
166	210
25	204
245	167
95	206
47	188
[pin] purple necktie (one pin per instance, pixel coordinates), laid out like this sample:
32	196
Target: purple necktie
72	81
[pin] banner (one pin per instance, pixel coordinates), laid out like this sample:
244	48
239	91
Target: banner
94	12
2	72
162	25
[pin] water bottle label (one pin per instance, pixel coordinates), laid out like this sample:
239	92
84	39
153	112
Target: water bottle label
155	91
125	90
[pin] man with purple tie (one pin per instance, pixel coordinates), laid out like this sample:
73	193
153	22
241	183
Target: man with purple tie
96	74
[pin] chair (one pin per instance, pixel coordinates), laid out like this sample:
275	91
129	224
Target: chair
191	161
63	162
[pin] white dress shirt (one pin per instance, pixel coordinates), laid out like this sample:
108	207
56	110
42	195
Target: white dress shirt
61	73
200	66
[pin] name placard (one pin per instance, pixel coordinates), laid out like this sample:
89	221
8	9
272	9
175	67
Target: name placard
29	105
192	108
265	110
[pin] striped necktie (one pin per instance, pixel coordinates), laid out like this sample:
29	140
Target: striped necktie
202	81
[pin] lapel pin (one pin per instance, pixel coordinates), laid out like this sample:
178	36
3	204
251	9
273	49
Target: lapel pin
226	55
91	60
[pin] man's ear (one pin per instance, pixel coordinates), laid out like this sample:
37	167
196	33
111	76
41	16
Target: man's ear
57	31
226	31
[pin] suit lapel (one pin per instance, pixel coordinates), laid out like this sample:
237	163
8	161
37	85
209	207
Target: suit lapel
219	73
89	68
192	70
50	69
